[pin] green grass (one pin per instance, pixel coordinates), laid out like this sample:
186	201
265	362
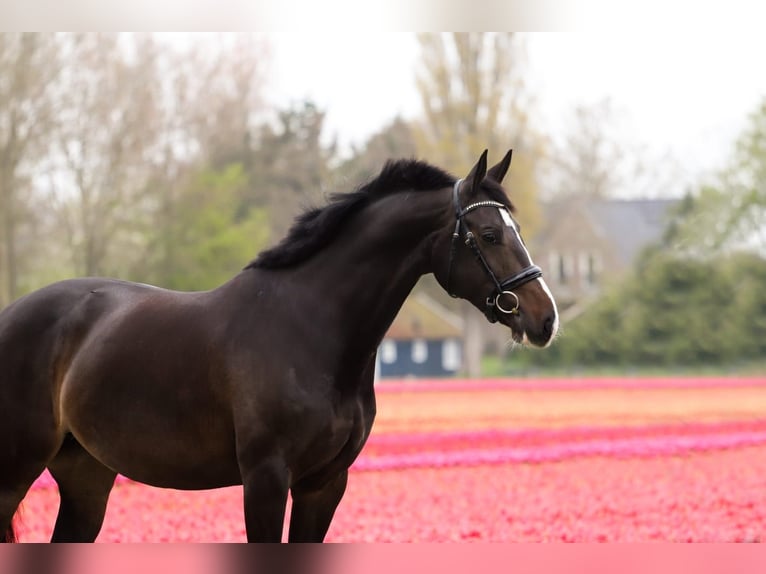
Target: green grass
494	366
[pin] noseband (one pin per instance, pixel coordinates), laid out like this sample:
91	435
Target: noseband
504	287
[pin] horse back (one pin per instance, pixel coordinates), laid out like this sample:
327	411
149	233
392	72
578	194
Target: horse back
41	333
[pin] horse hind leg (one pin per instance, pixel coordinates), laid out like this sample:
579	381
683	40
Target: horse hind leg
84	486
19	467
11	495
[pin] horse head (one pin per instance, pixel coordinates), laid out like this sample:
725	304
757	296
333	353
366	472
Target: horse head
486	261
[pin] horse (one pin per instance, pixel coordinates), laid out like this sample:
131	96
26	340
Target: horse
265	381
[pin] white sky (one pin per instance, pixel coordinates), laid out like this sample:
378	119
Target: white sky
683	93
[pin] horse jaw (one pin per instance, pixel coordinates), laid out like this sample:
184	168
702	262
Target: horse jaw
516	324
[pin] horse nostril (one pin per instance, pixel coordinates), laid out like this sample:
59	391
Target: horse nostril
548	326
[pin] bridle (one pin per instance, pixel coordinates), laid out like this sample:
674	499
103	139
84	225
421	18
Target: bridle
504	287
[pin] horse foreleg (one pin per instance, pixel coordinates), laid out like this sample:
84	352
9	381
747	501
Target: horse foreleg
265	490
314	507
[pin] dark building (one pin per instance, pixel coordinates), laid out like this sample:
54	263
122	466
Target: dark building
425	340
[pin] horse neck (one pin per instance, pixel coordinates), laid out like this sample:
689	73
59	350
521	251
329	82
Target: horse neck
355	287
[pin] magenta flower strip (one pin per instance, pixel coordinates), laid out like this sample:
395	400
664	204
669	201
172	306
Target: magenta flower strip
397	451
622	447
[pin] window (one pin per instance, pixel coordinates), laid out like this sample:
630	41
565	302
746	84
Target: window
562	268
583	264
419	351
594	266
388	352
566	267
553	265
588	268
451	355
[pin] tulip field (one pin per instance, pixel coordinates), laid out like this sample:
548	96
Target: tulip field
600	459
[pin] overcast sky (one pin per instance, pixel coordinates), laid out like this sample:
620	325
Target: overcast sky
683	93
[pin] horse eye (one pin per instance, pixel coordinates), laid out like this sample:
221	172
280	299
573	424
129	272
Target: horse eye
489	237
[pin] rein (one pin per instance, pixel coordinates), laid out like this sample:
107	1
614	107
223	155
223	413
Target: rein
504	287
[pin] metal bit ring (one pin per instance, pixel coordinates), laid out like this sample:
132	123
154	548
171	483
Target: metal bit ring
514	311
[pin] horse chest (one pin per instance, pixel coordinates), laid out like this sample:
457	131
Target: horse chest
334	443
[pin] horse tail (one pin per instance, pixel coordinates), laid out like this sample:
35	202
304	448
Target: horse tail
10	533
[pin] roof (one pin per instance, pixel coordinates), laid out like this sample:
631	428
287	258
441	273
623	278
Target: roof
630	225
423	318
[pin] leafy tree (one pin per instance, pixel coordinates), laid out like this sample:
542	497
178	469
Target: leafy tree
698	298
212	237
676	306
673	311
730	212
591	342
206	119
745	325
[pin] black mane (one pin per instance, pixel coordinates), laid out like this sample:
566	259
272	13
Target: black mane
315	228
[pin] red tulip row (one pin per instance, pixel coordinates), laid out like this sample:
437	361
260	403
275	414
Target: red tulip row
667	480
715	496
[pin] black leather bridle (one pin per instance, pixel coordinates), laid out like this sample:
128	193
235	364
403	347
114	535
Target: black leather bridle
504	287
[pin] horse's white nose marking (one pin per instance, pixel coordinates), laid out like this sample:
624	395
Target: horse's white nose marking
508	220
555	327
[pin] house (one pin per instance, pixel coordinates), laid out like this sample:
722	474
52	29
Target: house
585	243
425	340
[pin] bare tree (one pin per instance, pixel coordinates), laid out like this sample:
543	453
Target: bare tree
107	128
596	159
587	164
28	70
473	96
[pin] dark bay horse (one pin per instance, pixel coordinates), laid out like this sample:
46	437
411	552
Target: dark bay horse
266	381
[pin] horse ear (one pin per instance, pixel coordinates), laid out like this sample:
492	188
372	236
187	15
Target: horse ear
478	172
498	171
